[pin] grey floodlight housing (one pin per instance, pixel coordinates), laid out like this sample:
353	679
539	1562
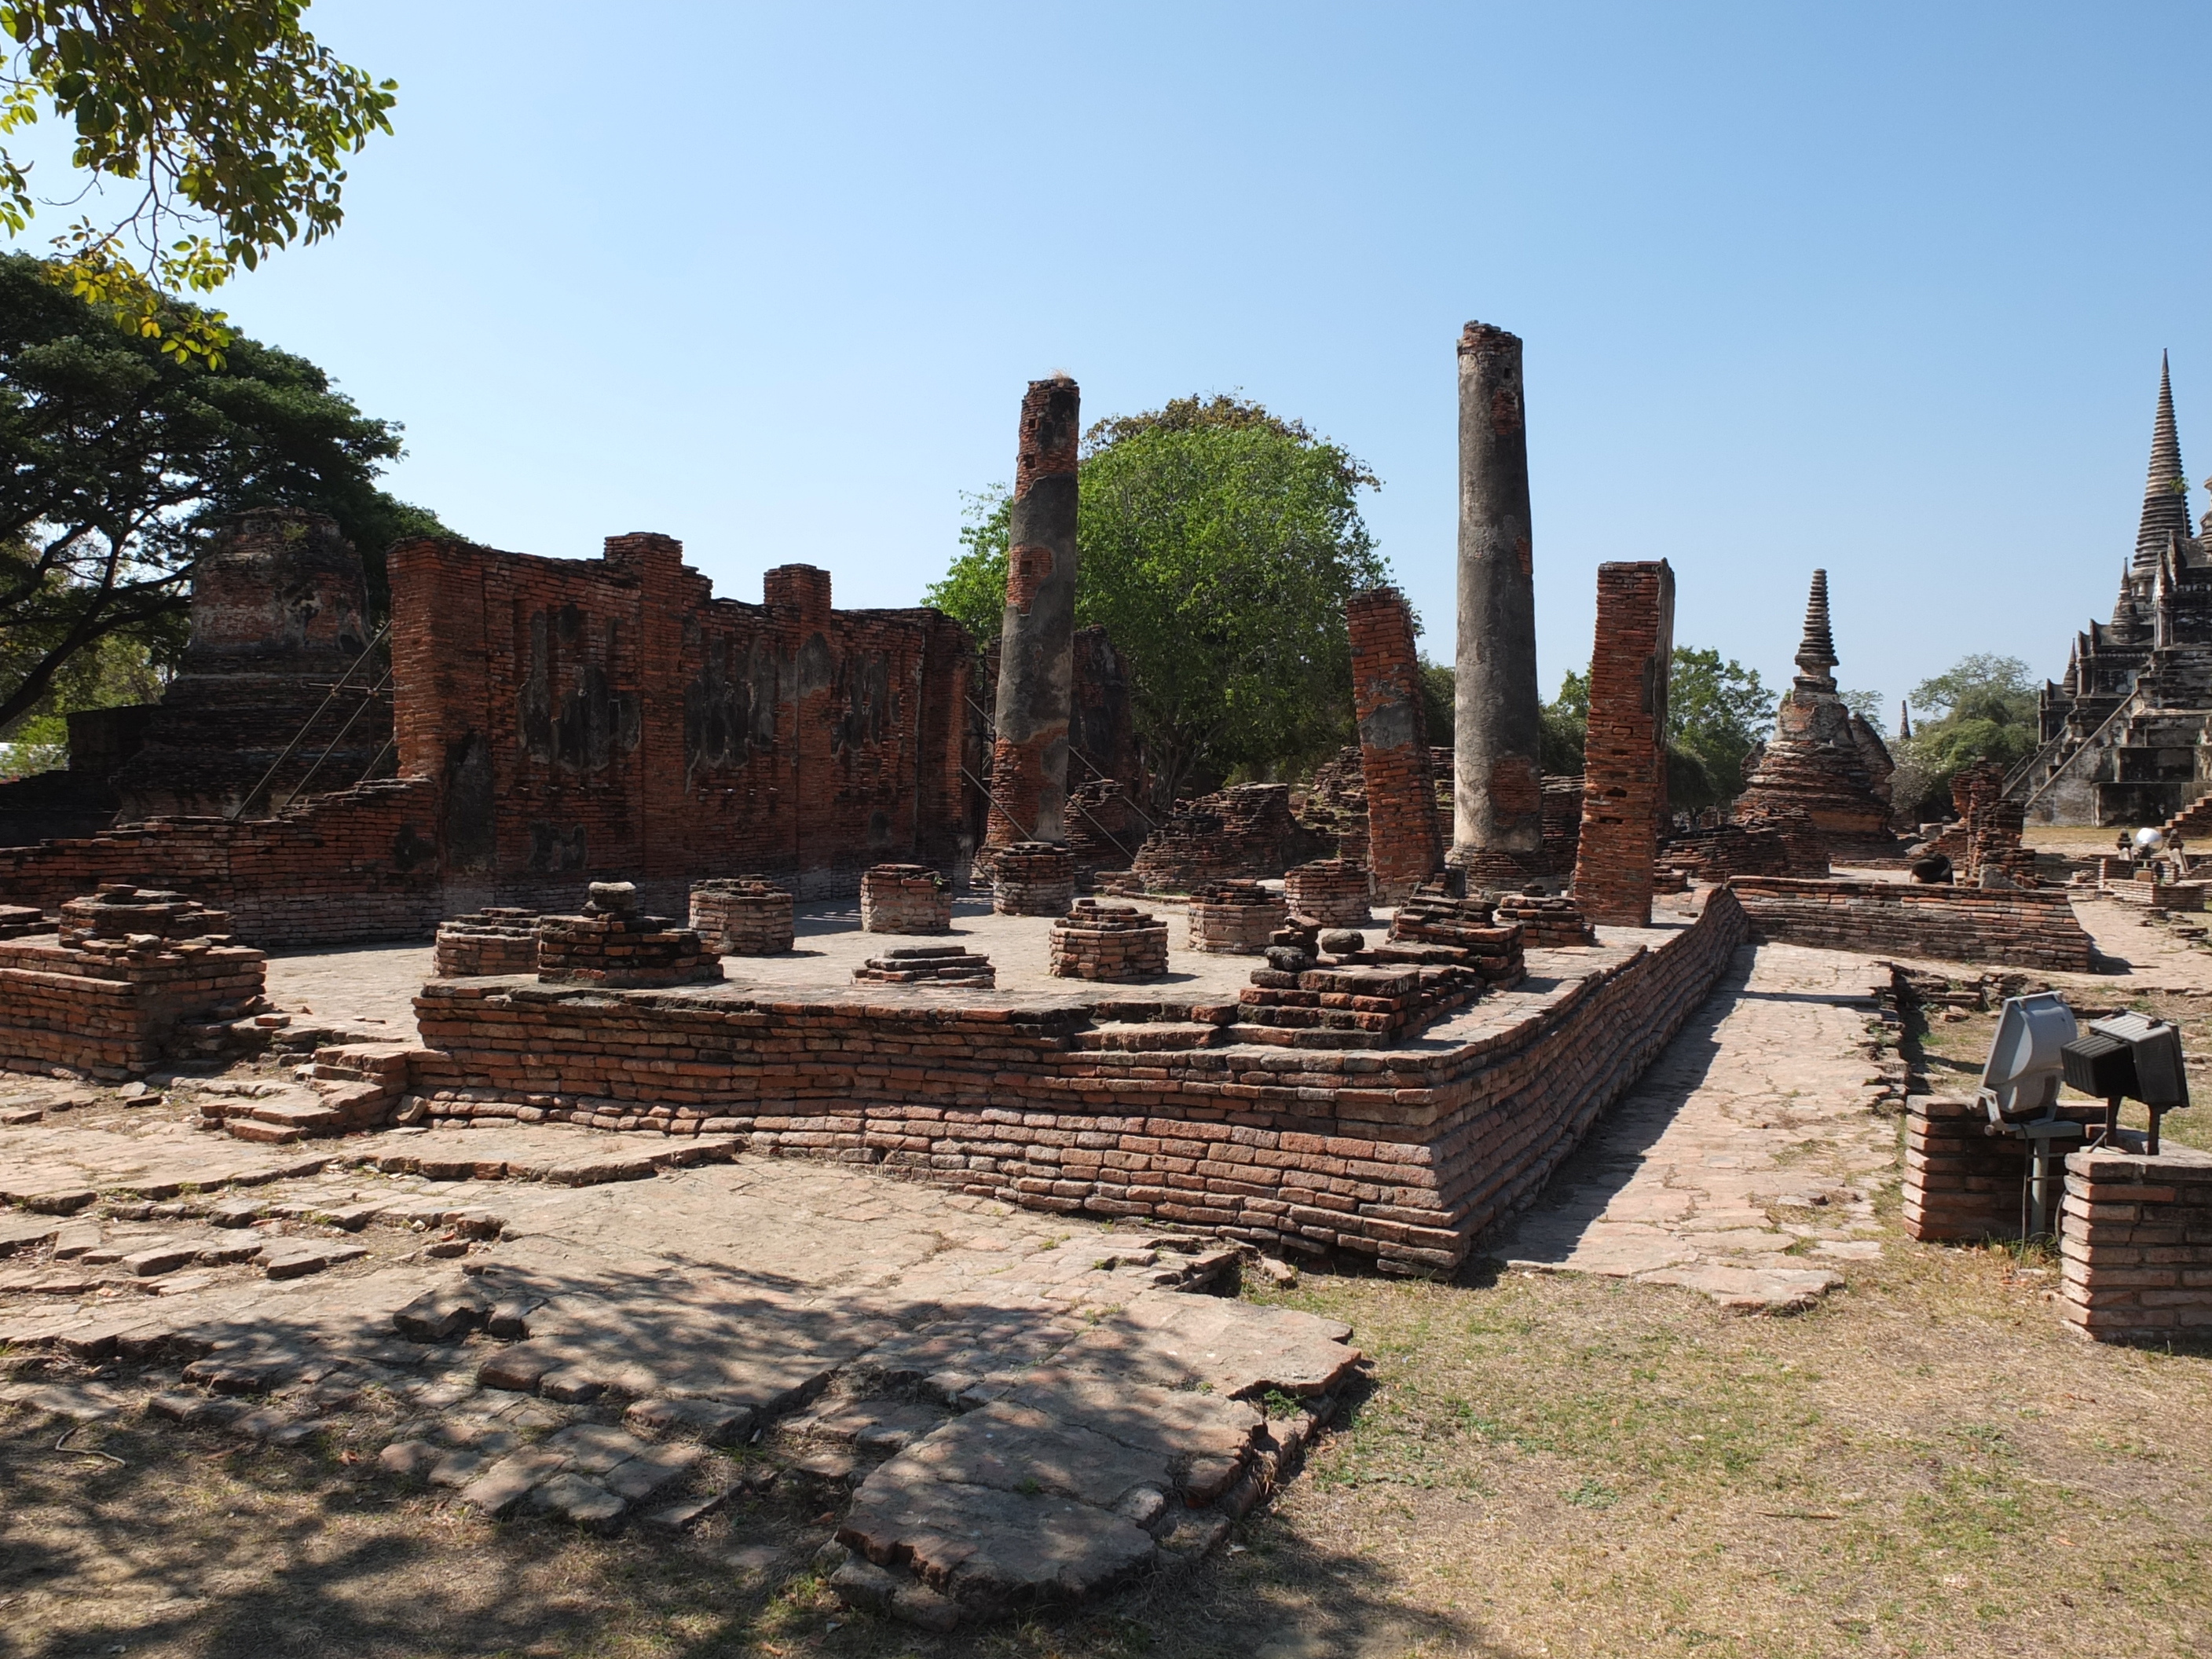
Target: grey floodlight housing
2021	1082
2026	1063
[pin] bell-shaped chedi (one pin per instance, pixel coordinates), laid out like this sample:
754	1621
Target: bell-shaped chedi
1823	759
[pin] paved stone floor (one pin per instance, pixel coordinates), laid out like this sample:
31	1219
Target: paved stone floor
554	1320
1744	1162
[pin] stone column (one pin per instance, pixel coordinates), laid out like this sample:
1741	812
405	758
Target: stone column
1405	847
1625	758
1498	798
1037	650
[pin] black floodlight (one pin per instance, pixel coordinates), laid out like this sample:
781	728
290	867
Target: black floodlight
2128	1057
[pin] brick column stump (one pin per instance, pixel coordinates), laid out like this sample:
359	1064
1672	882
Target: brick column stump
1333	892
1033	878
491	942
2135	1238
743	916
1112	942
905	898
1234	918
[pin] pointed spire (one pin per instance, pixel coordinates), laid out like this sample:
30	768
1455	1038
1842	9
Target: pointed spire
1903	720
1816	653
2166	493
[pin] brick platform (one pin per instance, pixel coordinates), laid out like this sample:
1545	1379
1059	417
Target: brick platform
743	916
1430	928
492	941
2019	928
130	975
2136	1240
905	898
1109	942
1330	890
1234	918
1032	879
1400	1154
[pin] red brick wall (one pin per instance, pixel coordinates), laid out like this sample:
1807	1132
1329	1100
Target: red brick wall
357	864
1405	845
2018	927
1625	754
613	720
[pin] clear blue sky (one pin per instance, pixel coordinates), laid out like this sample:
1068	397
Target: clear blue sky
1877	288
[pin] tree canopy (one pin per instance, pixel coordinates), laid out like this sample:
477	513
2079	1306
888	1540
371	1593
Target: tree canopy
1717	711
220	127
1984	709
1218	545
116	458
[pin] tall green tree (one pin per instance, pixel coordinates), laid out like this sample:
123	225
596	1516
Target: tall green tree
214	131
1218	545
116	456
1983	707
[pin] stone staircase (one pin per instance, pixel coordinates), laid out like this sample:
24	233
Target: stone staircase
348	1086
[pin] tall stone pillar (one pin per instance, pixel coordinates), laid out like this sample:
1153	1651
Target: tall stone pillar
1497	795
1405	847
1625	758
1037	651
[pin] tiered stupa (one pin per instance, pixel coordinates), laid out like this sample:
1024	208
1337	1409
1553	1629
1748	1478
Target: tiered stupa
1823	759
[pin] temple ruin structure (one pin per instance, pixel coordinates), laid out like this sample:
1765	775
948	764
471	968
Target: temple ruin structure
2123	734
1823	759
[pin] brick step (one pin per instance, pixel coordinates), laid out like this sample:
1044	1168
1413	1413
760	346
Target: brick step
1151	1037
1279	1037
267	1134
386	1063
309	1117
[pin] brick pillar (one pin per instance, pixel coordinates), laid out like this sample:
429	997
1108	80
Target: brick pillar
1625	757
797	598
1498	798
1037	651
1404	845
2135	1243
668	596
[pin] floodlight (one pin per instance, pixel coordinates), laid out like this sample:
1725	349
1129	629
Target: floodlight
2129	1057
2149	841
2020	1090
2026	1064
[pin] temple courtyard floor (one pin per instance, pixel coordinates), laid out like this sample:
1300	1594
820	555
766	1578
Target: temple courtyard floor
1703	1398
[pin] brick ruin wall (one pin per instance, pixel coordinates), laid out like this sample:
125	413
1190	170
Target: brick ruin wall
614	720
1404	845
1401	1156
559	721
1625	753
2019	928
357	864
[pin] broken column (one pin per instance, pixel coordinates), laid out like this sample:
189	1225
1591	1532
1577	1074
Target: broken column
1624	756
1497	802
1405	846
1037	650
